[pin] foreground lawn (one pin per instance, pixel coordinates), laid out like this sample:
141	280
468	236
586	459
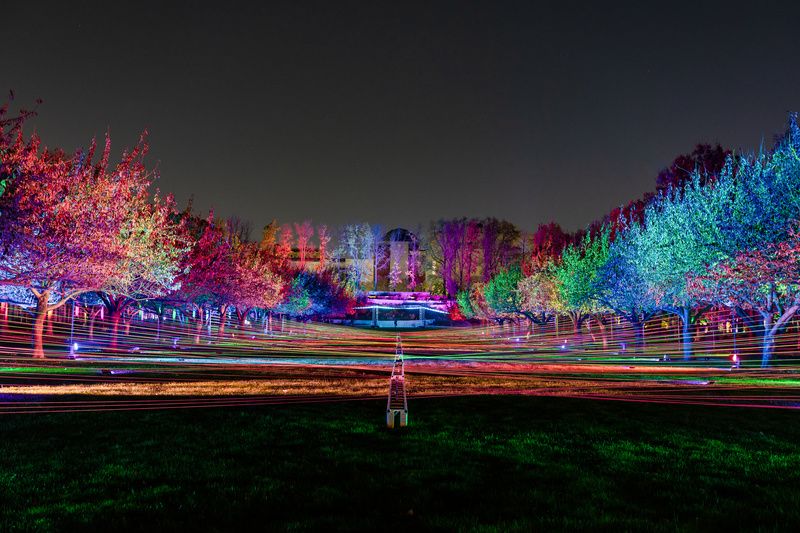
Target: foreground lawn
485	463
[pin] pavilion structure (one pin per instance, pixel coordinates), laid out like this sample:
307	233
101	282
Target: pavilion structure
401	310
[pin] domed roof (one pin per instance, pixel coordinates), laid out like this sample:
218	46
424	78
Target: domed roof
400	235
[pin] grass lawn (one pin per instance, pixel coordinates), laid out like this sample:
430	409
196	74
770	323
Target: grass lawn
484	463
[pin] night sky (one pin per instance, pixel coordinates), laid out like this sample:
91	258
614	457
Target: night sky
404	112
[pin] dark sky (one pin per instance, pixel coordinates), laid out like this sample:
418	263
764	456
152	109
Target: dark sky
403	112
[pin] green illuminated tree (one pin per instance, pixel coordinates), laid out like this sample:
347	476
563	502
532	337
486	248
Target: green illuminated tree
502	293
577	274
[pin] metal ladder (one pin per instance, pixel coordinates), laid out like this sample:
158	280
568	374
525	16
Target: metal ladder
397	405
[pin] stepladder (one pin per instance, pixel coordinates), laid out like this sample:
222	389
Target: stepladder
397	404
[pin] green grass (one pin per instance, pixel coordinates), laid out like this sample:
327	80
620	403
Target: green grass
482	463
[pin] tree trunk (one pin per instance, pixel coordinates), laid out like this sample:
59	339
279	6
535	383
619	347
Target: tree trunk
375	272
686	337
38	324
767	339
114	316
603	333
241	316
223	315
638	329
199	326
685	316
767	347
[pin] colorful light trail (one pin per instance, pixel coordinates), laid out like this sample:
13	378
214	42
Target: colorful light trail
172	368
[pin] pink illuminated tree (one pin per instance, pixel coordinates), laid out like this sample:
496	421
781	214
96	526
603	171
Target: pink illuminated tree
63	223
252	284
222	273
206	270
13	147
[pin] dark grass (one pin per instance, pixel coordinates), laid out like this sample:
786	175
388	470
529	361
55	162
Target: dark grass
486	463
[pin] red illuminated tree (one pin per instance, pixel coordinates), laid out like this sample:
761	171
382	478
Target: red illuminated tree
547	243
285	244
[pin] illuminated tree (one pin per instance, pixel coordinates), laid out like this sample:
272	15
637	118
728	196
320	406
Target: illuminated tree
577	274
316	294
269	236
499	246
471	303
396	275
754	236
206	270
275	254
356	244
447	237
379	251
501	293
252	284
13	148
238	229
621	287
284	248
324	239
464	303
63	223
681	236
454	248
304	233
155	243
222	273
539	294
705	159
765	281
414	261
547	243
